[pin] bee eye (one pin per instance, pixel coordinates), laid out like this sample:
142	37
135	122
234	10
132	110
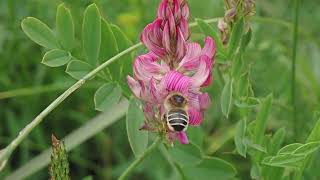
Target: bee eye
178	99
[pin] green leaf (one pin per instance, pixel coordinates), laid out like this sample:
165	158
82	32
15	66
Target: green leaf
307	148
315	134
237	65
210	168
209	31
39	32
65	27
56	58
277	140
286	160
261	120
245	40
125	63
254	146
109	46
106	96
288	149
186	154
249	102
241	147
243	85
91	34
135	118
123	67
196	136
78	69
235	37
226	98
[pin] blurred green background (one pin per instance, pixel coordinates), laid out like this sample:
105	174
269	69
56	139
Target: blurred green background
107	154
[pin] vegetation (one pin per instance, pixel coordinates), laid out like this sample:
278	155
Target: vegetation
264	121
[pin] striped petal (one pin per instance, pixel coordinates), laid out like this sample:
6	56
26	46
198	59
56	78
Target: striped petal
175	81
195	117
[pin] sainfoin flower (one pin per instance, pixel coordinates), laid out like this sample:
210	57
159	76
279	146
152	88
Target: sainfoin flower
172	65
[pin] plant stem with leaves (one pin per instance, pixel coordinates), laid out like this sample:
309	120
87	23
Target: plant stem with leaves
35	122
5	153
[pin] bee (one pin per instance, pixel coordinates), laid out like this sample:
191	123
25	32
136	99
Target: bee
176	115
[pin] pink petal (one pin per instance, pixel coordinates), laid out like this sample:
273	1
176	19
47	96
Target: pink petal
191	59
153	91
205	101
162	9
172	25
193	98
146	66
208	81
175	81
209	48
177	9
148	111
184	27
195	117
134	86
185	11
202	73
151	38
181	46
166	37
182	137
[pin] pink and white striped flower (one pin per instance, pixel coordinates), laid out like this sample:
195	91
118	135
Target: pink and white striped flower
172	65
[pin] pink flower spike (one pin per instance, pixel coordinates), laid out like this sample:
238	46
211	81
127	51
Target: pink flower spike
182	137
195	117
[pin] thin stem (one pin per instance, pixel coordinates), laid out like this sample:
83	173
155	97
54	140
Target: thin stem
137	161
35	122
293	65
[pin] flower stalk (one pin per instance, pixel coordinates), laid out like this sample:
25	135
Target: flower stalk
138	160
174	70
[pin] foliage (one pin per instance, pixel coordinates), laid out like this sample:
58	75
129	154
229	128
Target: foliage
251	94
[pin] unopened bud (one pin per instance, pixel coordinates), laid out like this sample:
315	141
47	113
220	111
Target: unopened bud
59	168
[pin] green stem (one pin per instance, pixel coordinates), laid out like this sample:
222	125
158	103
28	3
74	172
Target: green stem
293	65
35	122
137	161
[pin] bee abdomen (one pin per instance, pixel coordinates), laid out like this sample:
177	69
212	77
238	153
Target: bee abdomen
177	120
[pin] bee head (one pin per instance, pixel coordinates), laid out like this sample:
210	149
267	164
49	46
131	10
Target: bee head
177	100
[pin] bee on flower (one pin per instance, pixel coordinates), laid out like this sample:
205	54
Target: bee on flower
168	79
